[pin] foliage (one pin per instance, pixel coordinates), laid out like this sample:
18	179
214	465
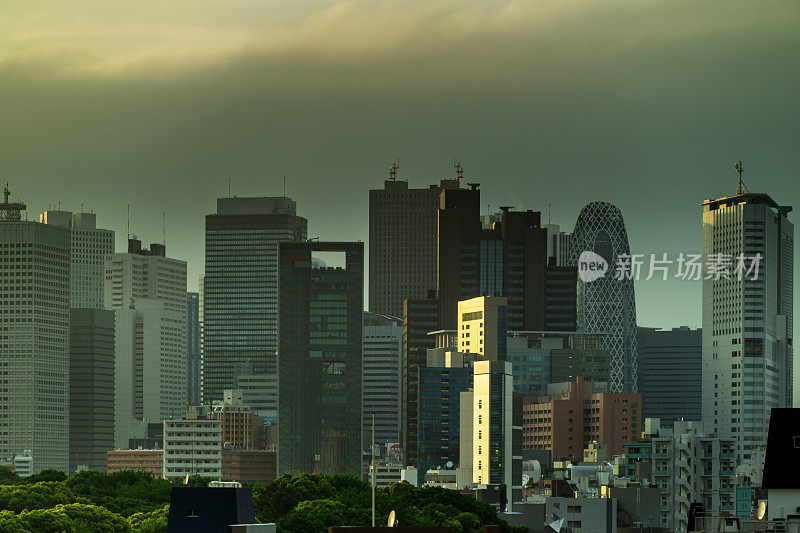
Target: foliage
152	522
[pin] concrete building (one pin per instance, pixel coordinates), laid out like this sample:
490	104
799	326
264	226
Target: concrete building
567	422
150	461
402	243
240	300
747	316
382	373
147	291
496	457
249	466
193	354
89	247
670	373
587	515
319	363
691	466
91	387
34	348
482	327
193	446
241	427
607	305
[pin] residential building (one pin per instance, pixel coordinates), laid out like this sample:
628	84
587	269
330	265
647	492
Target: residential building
147	291
319	363
89	246
693	466
670	373
91	387
567	422
240	290
193	446
440	388
420	317
402	243
193	358
607	305
150	461
34	345
496	429
747	316
382	373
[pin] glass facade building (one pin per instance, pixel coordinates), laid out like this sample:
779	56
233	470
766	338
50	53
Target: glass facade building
193	348
240	301
607	305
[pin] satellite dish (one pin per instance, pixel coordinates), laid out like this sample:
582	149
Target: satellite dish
762	509
392	519
449	464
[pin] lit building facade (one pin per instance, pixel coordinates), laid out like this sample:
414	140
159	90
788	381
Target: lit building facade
381	370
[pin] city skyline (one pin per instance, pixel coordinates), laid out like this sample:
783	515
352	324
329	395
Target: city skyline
556	103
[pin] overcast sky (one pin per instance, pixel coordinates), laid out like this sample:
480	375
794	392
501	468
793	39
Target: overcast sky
645	104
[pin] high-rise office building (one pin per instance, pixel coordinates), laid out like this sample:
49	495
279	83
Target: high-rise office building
671	373
607	305
240	291
402	243
747	316
91	387
319	359
89	246
482	327
34	348
193	360
147	291
382	372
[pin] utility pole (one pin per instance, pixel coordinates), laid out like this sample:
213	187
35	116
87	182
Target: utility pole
372	451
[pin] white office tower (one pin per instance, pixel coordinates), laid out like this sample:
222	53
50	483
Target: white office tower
89	248
747	322
34	339
147	290
381	371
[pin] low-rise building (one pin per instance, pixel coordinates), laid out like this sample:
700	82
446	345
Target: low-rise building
150	461
249	466
193	446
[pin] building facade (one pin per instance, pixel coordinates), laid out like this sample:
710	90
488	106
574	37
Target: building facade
34	349
150	461
671	373
193	446
240	291
607	305
147	291
482	327
193	359
91	387
747	317
319	363
382	373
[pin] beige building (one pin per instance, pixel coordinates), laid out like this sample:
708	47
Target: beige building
193	446
481	327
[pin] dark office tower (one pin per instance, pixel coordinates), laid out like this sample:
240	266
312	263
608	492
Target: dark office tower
34	348
420	317
91	387
402	243
240	290
193	348
458	270
515	263
319	359
607	305
671	373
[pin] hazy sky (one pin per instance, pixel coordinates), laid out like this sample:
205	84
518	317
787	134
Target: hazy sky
645	104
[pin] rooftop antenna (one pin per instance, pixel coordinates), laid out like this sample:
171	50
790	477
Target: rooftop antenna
164	229
459	169
548	213
488	209
742	188
229	187
129	221
393	168
284	185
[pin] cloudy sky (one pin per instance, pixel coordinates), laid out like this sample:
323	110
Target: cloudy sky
643	103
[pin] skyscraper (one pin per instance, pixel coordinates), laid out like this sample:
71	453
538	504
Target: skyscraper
607	305
402	243
382	371
747	316
240	305
147	291
671	374
89	246
91	387
319	359
34	349
193	348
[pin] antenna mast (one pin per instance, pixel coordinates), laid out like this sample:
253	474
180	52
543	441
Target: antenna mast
164	229
459	169
742	188
393	168
284	185
229	187
548	213
129	221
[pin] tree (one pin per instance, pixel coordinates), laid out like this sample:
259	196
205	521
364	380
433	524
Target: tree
42	495
48	474
94	519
